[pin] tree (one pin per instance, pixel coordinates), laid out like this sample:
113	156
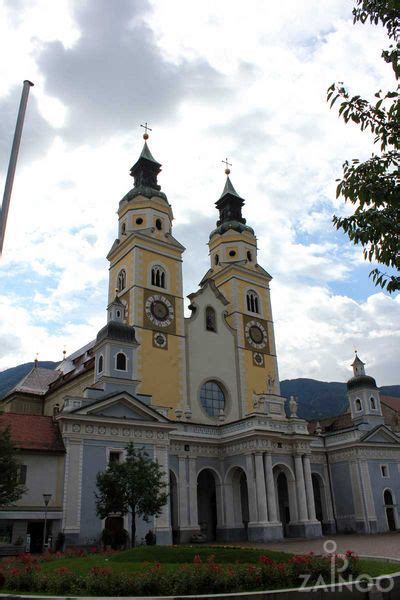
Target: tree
373	186
134	486
11	489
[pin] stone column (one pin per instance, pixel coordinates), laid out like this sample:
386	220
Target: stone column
300	487
260	486
309	488
183	493
162	522
251	489
193	510
271	497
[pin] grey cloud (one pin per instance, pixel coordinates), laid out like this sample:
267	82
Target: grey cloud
194	236
115	76
37	133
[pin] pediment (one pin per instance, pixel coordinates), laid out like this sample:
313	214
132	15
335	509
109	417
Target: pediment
123	406
381	435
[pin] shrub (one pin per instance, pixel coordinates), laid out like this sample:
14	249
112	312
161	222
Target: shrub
150	538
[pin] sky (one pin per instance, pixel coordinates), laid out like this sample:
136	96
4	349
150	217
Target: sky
245	81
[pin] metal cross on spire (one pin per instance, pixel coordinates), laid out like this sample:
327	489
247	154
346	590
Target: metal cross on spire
146	129
227	165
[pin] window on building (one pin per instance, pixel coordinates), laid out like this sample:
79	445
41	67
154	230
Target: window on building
158	276
249	257
373	403
252	301
100	364
211	320
121	280
22	470
216	259
56	409
123	229
212	398
384	471
159	224
114	457
6	528
358	404
139	221
121	362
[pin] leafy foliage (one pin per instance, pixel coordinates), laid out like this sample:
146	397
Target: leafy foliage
373	186
10	488
135	486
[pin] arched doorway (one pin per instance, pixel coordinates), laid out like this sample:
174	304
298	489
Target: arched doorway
236	504
389	509
173	503
283	501
116	536
318	499
244	501
207	504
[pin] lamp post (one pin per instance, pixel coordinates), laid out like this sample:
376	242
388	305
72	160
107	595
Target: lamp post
46	500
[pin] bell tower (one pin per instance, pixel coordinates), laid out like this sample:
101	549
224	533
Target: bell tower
245	284
146	270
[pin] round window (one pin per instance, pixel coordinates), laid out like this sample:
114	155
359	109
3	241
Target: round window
212	398
232	253
139	221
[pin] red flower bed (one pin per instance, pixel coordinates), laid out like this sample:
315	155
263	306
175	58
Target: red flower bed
24	573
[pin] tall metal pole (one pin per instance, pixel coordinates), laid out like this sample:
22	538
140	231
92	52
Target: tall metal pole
13	161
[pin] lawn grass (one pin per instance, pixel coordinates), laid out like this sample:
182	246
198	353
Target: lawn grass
378	567
172	557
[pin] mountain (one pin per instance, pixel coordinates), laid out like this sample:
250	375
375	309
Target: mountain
317	399
10	377
320	399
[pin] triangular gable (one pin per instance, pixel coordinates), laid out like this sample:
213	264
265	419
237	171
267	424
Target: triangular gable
381	435
209	284
122	405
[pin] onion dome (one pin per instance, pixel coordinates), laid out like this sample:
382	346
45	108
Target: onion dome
119	332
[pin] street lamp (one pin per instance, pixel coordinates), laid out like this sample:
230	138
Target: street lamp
46	500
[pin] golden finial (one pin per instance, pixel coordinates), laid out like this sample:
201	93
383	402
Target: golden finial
146	129
227	165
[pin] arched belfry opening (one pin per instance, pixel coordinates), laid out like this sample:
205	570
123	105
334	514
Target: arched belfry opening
207	504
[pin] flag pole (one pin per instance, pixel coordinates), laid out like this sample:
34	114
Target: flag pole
13	161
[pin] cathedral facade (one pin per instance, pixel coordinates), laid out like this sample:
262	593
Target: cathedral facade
201	395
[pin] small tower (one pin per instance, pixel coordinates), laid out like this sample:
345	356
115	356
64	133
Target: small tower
116	310
364	399
115	350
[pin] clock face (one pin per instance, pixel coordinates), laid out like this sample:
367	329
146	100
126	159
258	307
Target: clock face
159	310
256	335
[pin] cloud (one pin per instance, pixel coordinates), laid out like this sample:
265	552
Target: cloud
213	80
37	133
114	76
